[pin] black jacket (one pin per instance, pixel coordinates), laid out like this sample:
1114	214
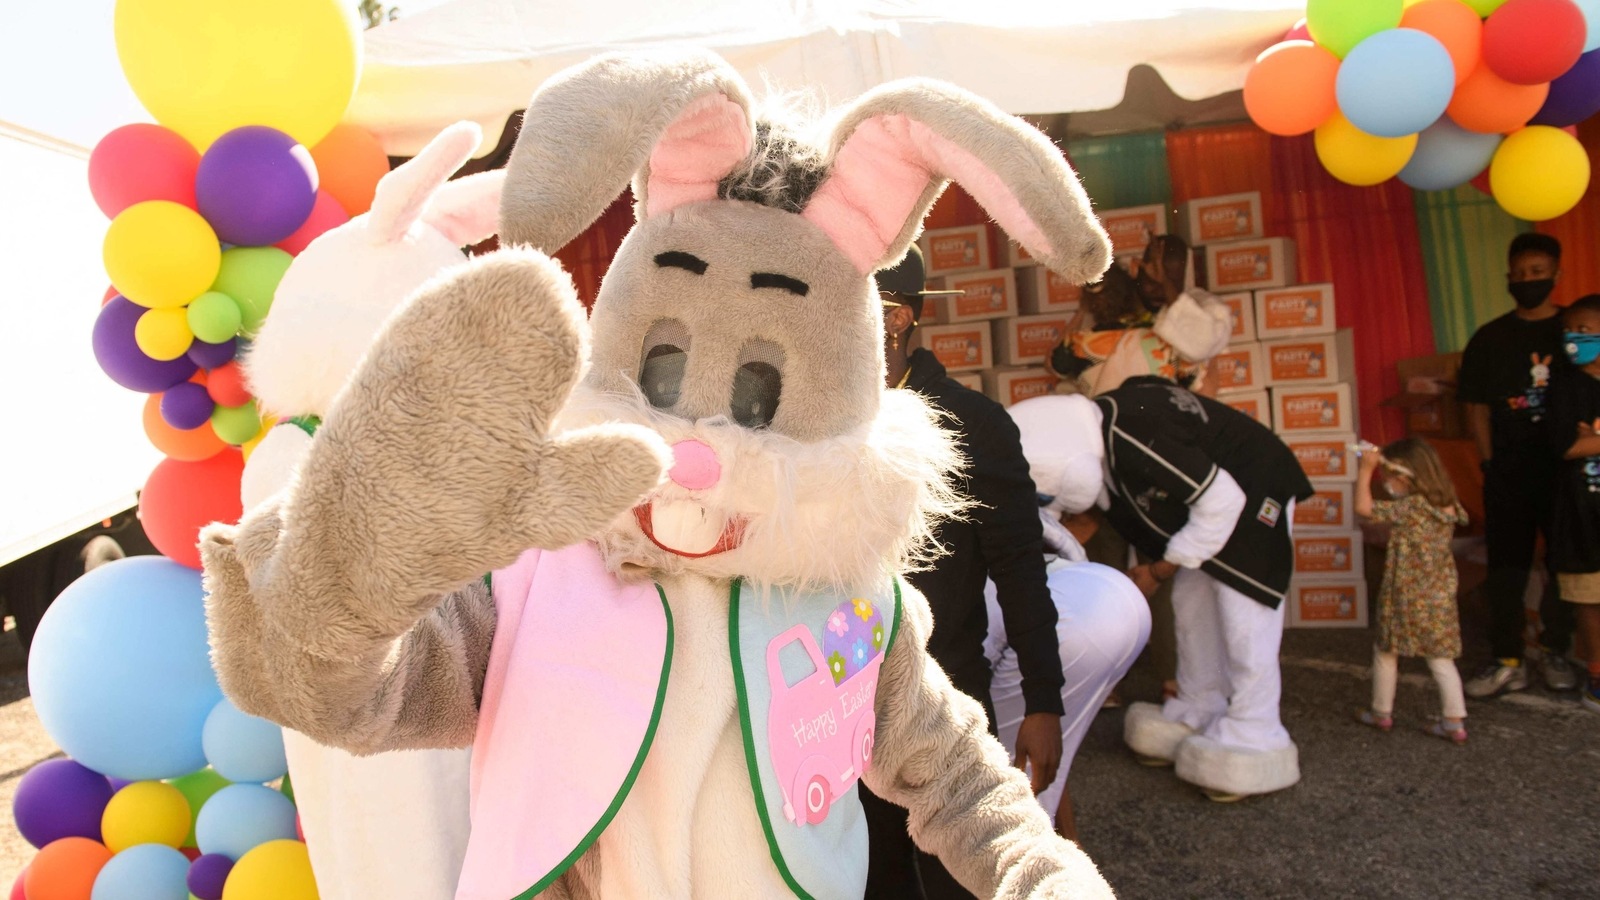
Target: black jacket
1002	540
1163	448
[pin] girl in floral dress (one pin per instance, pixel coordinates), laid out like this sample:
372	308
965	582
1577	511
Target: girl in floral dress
1417	604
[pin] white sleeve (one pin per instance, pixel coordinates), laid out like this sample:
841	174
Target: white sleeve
1211	519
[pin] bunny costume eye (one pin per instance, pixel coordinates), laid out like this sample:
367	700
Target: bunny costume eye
661	367
757	384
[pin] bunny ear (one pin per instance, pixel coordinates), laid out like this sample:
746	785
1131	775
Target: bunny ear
894	150
680	122
467	210
404	193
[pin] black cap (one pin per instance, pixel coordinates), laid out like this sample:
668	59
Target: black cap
908	278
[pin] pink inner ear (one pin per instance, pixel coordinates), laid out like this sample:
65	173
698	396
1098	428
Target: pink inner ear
880	173
701	146
467	210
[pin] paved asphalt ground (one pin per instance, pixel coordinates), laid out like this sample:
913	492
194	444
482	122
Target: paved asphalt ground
1513	814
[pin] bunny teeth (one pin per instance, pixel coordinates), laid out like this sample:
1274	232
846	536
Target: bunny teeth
686	528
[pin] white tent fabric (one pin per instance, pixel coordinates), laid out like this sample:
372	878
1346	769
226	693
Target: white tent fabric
482	59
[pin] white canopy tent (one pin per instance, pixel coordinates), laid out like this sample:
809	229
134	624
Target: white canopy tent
482	59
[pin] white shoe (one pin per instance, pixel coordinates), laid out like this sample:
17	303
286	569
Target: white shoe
1497	679
1151	736
1230	773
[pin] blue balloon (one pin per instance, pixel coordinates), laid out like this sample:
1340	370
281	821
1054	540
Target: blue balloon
1396	82
241	817
143	872
121	673
242	747
1591	17
1448	156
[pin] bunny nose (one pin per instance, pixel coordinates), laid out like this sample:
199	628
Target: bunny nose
694	466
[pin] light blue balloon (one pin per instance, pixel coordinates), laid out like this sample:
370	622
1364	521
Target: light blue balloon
1396	82
1448	156
143	872
241	817
120	671
1591	17
242	747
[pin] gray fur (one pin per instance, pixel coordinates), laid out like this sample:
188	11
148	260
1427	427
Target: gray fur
782	171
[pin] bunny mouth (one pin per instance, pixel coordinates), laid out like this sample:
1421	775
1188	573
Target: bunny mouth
687	529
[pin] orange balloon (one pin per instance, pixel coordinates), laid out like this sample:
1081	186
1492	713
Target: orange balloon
349	164
1489	104
180	498
1455	25
189	446
1290	89
65	869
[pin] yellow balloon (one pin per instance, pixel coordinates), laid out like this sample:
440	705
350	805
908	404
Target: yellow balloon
1356	157
161	254
205	67
163	333
276	870
145	812
249	447
1539	173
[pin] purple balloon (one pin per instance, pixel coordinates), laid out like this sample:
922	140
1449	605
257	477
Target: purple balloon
209	356
256	185
60	798
207	875
118	784
119	355
187	406
1574	96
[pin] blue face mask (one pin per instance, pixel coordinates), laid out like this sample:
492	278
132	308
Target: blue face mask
1582	348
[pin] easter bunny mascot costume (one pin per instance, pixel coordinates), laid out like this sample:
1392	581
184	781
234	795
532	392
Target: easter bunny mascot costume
647	565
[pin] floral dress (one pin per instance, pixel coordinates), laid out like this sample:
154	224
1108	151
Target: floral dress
1417	604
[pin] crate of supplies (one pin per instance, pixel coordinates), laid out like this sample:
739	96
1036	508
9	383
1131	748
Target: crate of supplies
1028	340
1248	265
1132	227
1008	386
1320	359
1040	290
1295	311
1229	217
947	251
1324	454
1254	404
1336	554
962	347
1319	407
990	294
1327	603
1239	369
1329	508
1242	311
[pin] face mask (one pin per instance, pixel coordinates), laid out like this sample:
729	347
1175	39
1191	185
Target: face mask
1395	489
1530	294
1582	348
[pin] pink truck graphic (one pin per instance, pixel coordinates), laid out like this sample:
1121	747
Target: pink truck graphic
820	728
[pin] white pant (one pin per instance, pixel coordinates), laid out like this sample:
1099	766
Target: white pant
1102	624
1386	672
1228	681
393	825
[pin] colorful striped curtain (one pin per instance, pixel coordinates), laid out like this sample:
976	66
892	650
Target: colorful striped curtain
1464	236
1579	230
1124	170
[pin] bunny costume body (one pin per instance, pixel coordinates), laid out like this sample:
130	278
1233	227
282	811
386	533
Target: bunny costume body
693	509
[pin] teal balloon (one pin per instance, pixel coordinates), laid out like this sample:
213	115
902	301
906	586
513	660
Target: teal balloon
1396	83
1448	156
240	817
1340	25
120	670
143	872
1591	17
242	747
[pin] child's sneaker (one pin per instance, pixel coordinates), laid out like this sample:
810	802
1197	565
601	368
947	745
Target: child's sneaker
1380	721
1497	678
1456	735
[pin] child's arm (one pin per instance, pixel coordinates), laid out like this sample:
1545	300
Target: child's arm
1588	442
1370	460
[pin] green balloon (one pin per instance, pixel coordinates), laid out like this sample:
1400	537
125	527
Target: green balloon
236	424
287	788
1339	25
214	317
1484	7
250	275
197	788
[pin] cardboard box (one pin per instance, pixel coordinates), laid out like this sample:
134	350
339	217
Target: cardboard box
1327	603
1008	386
1016	255
1229	217
1324	454
1330	508
1028	340
1329	554
1239	369
1296	311
988	295
1254	404
963	347
1428	395
1248	265
947	251
1242	309
1040	290
1323	407
1132	227
973	380
1309	360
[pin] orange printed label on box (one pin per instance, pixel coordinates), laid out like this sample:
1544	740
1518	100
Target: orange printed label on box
1293	308
1024	387
1224	221
983	296
1254	407
959	349
1236	313
1233	369
1320	459
1322	509
1324	554
1245	264
954	251
1311	411
1328	602
1131	230
1306	361
1038	338
1061	291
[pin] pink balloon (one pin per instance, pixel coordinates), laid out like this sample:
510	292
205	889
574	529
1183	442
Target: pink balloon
326	215
1300	32
142	162
17	892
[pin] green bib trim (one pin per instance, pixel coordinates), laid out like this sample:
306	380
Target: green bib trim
308	424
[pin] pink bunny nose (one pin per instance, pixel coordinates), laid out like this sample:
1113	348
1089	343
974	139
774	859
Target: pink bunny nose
694	466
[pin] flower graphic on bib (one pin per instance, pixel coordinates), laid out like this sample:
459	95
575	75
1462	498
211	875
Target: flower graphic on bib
863	608
859	654
877	636
838	624
836	665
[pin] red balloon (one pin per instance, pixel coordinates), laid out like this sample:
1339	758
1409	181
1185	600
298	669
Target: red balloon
1300	32
227	386
142	162
110	292
17	892
1481	182
1534	41
325	215
180	498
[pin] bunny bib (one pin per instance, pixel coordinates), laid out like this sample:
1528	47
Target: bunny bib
696	503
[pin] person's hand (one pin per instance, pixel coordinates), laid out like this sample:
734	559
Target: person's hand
1369	461
1144	579
1588	429
1082	525
1039	748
